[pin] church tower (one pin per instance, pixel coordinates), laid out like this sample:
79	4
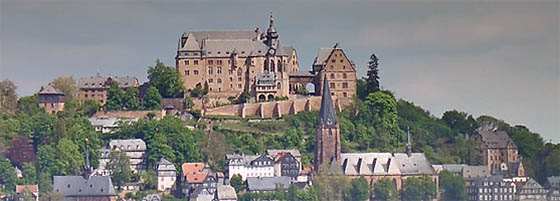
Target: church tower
327	138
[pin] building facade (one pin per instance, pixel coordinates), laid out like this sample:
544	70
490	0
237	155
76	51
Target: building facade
95	87
249	166
51	99
495	148
531	191
491	188
135	149
166	175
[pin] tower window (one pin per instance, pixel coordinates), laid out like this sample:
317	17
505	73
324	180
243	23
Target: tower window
219	70
344	75
187	72
333	85
186	62
195	62
195	72
210	80
219	62
210	70
210	62
345	85
219	80
332	76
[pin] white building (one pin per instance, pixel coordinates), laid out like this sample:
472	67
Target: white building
249	166
108	124
135	149
167	174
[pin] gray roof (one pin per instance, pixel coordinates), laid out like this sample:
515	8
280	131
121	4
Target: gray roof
454	168
494	179
226	192
274	152
386	164
554	181
99	82
327	114
511	169
164	164
79	186
245	159
128	145
498	139
222	34
531	184
267	183
50	89
475	172
322	56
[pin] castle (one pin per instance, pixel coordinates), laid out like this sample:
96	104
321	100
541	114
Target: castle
233	62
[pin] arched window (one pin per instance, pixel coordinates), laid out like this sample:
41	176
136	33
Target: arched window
344	75
272	66
219	71
332	76
219	80
278	86
239	72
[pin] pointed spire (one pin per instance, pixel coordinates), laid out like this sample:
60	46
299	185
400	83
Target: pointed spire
327	114
408	144
271	28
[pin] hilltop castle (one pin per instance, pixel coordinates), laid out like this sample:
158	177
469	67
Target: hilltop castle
233	62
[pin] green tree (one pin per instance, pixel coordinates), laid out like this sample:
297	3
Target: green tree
114	97
453	186
8	97
552	163
29	105
89	107
7	175
130	99
119	165
188	103
46	160
359	190
384	189
166	79
152	99
242	98
200	91
29	174
69	158
460	122
416	189
373	74
68	86
149	177
236	182
380	110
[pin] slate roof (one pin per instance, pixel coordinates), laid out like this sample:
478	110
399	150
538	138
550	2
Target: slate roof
79	186
511	171
498	139
301	74
385	164
50	90
128	145
322	56
531	184
163	165
327	114
494	179
554	181
245	159
267	183
274	152
475	172
94	82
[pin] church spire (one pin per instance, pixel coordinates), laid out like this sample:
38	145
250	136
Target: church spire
327	114
271	34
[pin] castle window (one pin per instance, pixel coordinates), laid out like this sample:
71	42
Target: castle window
210	80
195	62
227	52
219	70
344	75
195	72
209	52
210	62
187	72
239	86
333	60
345	85
219	80
341	61
242	52
344	94
239	72
231	79
186	62
332	67
210	70
219	52
332	76
219	62
195	54
343	67
239	79
332	85
230	72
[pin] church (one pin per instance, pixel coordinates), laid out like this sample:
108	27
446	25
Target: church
373	166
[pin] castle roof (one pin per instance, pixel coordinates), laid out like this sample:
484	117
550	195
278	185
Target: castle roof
80	186
327	114
498	139
95	82
386	164
50	90
322	56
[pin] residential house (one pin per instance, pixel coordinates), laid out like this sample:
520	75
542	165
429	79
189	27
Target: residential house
135	149
198	180
166	175
249	166
95	87
491	188
225	193
78	188
108	124
531	191
33	189
268	184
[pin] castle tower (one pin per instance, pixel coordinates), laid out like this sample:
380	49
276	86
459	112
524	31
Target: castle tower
51	99
327	138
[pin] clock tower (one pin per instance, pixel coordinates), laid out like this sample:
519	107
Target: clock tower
327	138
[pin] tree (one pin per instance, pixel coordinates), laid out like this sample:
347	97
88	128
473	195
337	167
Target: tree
149	177
68	86
89	107
243	98
552	163
130	99
236	182
384	189
200	91
166	79
460	122
380	110
361	88
46	160
29	174
359	190
29	105
452	185
21	151
69	159
119	166
373	74
8	175
114	97
8	97
188	103
415	188
152	99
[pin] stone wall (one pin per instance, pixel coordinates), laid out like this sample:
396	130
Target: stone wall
271	109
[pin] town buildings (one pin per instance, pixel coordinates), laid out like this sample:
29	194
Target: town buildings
495	148
198	181
51	99
135	149
79	188
95	87
491	188
249	166
22	189
268	184
233	62
166	175
531	191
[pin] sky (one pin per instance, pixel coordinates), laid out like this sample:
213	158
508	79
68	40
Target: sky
497	58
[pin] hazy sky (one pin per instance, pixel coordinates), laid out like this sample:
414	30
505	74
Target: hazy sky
496	58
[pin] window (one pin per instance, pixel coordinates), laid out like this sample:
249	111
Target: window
239	79
332	85
332	76
186	62
231	79
210	70
195	72
332	67
344	75
210	80
230	72
345	85
219	62
344	94
210	62
239	72
239	86
333	60
219	80
195	62
187	72
219	70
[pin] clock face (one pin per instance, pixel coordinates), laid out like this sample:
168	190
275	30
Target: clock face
271	51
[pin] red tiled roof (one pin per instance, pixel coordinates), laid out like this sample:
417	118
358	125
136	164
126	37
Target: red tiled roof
306	170
220	175
33	188
196	177
192	168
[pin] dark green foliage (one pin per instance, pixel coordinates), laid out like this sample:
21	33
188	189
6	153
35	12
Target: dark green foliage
115	97
8	97
29	105
188	103
384	189
29	174
460	122
130	99
242	98
373	74
453	186
415	189
237	182
200	91
7	175
166	79
359	190
152	99
119	165
89	107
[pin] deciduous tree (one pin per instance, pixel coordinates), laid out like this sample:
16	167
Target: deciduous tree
8	97
384	189
359	190
119	165
68	86
7	175
453	186
152	99
114	97
166	79
130	99
21	151
415	188
29	174
237	182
